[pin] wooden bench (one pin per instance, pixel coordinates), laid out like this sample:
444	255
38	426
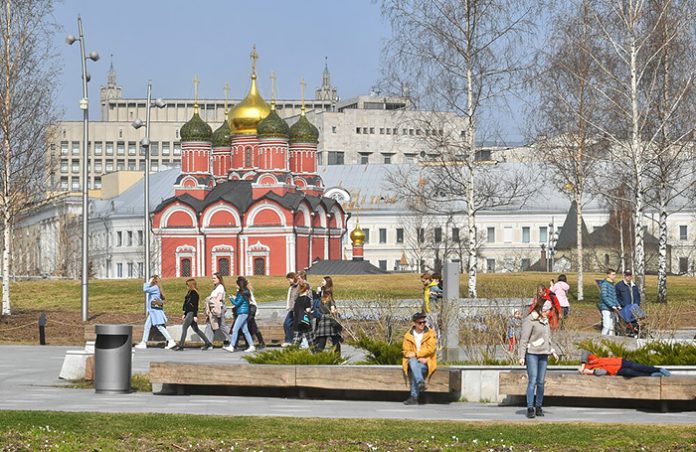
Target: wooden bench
181	377
567	384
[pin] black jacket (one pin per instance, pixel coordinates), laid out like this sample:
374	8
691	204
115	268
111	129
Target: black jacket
300	309
191	303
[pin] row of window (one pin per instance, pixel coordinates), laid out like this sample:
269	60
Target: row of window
395	131
437	234
67	166
126	238
133	270
108	148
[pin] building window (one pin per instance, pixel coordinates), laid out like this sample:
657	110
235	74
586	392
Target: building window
185	267
247	157
130	270
683	232
367	235
383	265
399	235
154	148
110	148
75	183
224	266
177	148
683	265
336	158
130	238
154	167
483	155
141	165
507	234
75	167
119	270
387	159
98	167
140	238
490	235
131	148
438	235
141	271
64	166
382	235
381	130
64	148
525	234
259	266
131	165
120	165
333	129
64	183
120	148
364	158
525	263
98	148
543	234
320	158
455	235
490	265
97	183
75	148
165	148
119	238
357	130
109	166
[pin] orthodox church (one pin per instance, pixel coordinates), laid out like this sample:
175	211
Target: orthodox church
249	200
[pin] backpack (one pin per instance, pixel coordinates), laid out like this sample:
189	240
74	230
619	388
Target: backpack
316	305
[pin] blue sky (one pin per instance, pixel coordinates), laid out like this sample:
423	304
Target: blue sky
169	41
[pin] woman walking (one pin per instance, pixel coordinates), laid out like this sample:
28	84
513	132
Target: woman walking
190	316
214	309
302	323
561	289
534	350
155	313
241	304
325	311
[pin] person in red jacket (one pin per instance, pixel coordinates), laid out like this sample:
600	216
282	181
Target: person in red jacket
594	365
542	293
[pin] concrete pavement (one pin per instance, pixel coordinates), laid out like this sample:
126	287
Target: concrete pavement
29	381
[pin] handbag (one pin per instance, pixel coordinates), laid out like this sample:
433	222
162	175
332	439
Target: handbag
156	303
306	321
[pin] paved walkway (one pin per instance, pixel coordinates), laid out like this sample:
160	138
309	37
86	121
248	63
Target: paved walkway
29	381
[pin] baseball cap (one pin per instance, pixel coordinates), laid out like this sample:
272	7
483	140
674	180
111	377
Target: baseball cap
628	273
418	316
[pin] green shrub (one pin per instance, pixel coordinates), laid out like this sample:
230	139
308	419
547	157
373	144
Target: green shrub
379	352
652	354
296	356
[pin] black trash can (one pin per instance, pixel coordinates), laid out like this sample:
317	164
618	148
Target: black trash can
113	359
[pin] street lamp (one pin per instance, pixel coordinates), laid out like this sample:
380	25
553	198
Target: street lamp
84	106
145	143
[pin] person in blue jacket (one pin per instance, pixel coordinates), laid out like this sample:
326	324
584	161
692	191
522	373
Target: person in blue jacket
155	313
608	302
627	291
241	304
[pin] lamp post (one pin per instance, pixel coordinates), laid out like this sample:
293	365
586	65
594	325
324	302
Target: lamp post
84	106
145	143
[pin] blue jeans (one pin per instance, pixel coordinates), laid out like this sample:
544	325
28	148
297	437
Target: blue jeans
418	371
287	326
536	373
241	324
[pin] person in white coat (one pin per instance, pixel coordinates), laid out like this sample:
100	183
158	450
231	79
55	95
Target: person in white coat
155	313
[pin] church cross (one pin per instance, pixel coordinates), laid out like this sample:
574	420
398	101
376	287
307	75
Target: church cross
254	56
226	89
273	87
302	88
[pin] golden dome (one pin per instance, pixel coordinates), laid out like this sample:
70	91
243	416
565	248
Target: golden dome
246	115
357	236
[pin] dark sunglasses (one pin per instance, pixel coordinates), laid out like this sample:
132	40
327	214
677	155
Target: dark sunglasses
422	322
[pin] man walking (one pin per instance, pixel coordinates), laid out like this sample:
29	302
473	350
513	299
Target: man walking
626	290
420	360
289	306
607	302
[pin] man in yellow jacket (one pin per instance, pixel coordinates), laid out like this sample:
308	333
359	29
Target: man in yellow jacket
420	360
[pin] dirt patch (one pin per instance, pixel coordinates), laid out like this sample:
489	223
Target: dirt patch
62	328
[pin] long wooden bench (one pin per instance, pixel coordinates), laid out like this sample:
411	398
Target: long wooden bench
562	384
179	377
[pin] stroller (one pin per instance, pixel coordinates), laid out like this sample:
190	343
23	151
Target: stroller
629	321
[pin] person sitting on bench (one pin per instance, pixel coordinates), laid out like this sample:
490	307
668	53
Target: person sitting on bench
594	365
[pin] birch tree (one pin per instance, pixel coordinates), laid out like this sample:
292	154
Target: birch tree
26	113
567	144
458	56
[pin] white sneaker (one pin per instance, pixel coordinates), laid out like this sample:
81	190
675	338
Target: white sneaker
285	344
250	349
171	344
141	346
228	348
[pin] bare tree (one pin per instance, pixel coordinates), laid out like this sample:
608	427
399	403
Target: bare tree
26	113
567	143
458	56
633	43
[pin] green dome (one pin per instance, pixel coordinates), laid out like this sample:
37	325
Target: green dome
221	136
272	126
195	130
304	131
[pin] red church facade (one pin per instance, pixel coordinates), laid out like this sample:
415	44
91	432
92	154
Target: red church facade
248	200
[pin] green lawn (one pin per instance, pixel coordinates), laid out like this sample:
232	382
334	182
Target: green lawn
25	430
125	296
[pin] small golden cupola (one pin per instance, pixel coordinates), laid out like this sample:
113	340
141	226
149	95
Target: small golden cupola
357	235
247	114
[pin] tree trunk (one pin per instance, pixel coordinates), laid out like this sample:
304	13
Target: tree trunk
7	163
622	246
662	255
580	253
639	252
7	235
470	190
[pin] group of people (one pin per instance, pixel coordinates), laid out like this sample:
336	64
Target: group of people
243	305
615	297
